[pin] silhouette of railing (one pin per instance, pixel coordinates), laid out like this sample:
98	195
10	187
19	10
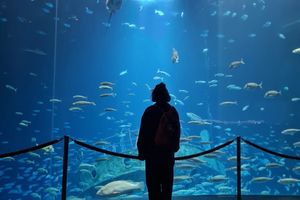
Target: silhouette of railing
66	153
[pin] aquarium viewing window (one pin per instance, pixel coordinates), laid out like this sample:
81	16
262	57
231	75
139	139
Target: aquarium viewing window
77	75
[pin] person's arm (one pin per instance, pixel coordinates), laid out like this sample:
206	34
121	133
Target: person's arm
177	135
142	141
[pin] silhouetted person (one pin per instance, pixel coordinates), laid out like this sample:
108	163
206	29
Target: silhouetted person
158	153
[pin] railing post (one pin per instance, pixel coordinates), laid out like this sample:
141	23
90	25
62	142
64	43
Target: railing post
238	167
65	168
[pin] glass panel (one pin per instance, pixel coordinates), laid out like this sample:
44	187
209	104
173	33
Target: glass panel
35	175
26	71
266	174
96	175
86	69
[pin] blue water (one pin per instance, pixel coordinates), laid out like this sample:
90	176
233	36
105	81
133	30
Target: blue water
130	51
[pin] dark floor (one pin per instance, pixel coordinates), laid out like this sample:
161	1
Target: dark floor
234	197
243	198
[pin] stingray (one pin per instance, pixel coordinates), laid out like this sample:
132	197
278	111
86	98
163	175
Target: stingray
112	6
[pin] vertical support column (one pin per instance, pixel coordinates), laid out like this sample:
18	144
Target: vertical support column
238	167
65	168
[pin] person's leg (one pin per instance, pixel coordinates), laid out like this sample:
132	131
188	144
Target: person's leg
152	181
167	182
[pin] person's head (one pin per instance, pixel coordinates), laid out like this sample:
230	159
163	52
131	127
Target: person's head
160	94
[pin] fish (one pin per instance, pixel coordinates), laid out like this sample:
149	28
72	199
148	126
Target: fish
42	170
36	155
79	97
290	131
9	159
227	13
219	75
101	143
175	56
225	103
211	155
244	17
274	165
54	100
181	178
18	113
185	139
296	51
35	195
159	12
88	11
200	82
252	85
52	190
185	98
33	74
123	72
236	64
234	158
83	103
48	149
107	83
272	93
23	19
12	88
120	187
296	144
75	109
132	26
296	169
163	72
108	95
261	179
105	87
158	78
217	178
212	81
110	109
287	181
192	137
183	91
3	19
267	24
49	5
281	36
245	108
177	101
233	87
67	25
35	51
181	14
252	35
112	6
199	122
193	116
102	159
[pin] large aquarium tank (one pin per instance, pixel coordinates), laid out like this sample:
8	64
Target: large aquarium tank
85	69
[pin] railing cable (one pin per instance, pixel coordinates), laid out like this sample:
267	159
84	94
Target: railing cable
204	152
15	153
271	152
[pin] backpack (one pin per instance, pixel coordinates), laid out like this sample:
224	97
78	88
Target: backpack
168	130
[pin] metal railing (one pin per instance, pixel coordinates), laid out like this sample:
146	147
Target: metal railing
66	155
